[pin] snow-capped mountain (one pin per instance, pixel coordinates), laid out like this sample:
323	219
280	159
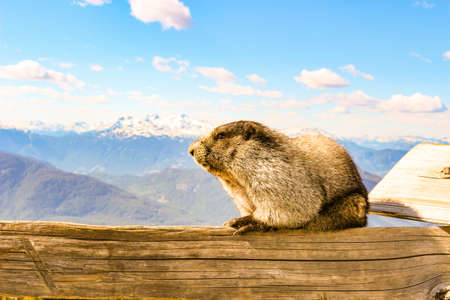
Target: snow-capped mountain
52	129
183	126
396	142
157	125
297	131
125	127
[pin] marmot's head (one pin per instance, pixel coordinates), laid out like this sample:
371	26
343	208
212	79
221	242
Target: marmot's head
217	150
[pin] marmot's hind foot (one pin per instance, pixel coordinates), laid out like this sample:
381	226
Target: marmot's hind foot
347	212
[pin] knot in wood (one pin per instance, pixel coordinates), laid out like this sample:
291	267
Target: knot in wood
445	172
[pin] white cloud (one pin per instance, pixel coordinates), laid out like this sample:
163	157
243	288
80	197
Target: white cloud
356	99
134	95
256	79
161	64
112	92
412	104
284	104
269	94
225	84
33	91
424	4
139	59
170	13
88	99
446	55
84	3
356	73
218	74
321	79
31	70
339	110
416	103
96	68
231	88
226	87
170	64
66	65
137	95
421	57
225	101
18	91
119	68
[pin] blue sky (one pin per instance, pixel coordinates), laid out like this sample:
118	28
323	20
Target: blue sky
350	67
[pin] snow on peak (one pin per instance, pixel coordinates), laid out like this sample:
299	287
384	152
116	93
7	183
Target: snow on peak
396	142
51	128
297	131
157	125
405	139
126	126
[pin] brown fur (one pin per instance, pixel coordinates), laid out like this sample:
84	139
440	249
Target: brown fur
280	182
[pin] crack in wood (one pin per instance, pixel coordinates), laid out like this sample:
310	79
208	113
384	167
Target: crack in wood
40	266
264	259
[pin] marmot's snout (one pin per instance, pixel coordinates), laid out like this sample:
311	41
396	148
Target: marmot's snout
193	147
198	150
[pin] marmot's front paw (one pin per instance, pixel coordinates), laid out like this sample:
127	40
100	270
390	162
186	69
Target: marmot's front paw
246	224
256	226
239	222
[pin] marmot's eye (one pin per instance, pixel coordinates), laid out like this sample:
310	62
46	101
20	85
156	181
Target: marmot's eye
220	136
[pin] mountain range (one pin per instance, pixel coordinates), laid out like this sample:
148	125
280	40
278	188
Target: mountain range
137	146
124	127
182	125
396	143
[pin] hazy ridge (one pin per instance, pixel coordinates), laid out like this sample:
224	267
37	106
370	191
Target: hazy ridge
92	152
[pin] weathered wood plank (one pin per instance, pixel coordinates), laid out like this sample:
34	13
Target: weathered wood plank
69	260
417	187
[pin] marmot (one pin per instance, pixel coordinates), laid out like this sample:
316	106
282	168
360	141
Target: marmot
275	181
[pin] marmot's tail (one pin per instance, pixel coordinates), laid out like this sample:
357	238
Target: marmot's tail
349	211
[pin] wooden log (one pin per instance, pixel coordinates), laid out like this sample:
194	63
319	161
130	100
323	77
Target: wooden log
417	187
60	260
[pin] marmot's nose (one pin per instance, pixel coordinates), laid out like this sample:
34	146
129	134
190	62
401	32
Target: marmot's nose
192	148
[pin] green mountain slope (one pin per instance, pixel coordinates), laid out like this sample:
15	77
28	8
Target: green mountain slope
32	190
194	191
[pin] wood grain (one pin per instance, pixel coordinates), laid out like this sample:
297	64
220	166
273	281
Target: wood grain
416	188
59	260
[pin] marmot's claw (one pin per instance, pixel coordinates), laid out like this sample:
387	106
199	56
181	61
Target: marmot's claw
228	223
244	229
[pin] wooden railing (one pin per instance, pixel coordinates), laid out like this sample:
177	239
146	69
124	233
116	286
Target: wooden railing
58	260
